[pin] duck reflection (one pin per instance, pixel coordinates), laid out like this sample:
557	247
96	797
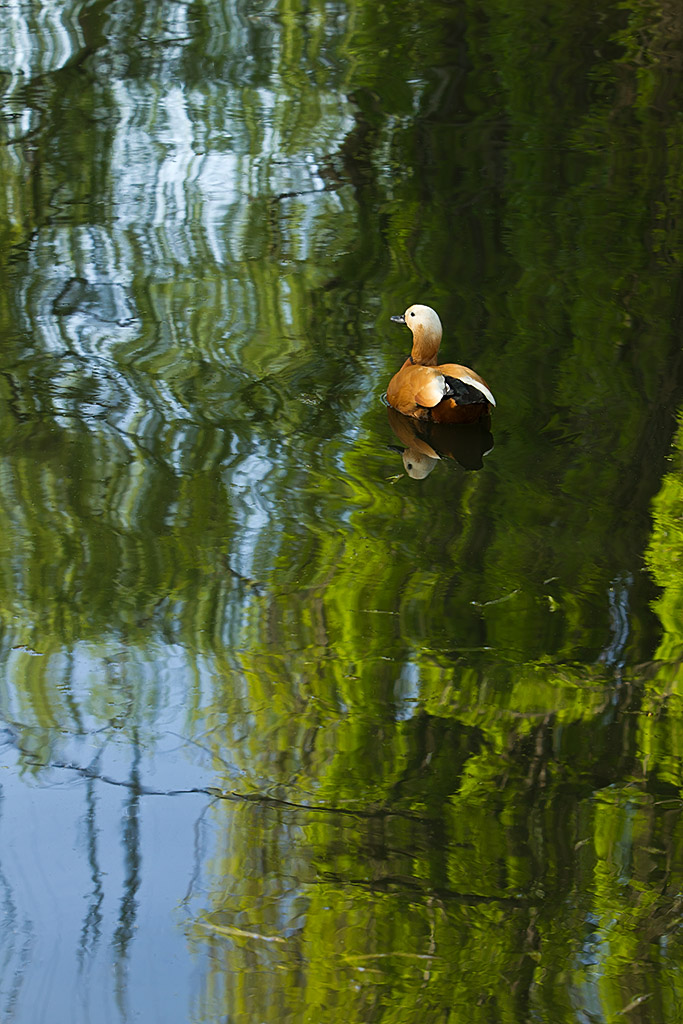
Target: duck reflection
424	443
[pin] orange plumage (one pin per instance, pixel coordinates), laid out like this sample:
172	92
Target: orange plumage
449	393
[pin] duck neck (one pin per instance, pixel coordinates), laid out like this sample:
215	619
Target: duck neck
425	346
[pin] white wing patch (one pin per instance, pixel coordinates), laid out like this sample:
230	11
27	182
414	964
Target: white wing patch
466	379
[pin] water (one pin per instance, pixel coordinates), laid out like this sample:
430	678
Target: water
289	734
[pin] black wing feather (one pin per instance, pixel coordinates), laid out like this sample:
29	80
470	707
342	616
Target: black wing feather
464	394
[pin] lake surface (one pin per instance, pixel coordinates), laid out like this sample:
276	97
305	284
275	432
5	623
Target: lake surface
288	733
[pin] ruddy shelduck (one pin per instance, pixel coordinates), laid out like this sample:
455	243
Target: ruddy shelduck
449	393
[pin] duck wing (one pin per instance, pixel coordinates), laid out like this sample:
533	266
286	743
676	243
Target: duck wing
464	385
415	387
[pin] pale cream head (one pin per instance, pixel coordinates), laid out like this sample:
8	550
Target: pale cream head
424	318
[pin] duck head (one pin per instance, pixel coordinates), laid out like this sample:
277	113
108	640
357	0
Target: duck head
426	328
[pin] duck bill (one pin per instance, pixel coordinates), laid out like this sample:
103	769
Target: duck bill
399	319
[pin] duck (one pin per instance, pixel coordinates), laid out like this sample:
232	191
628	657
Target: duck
449	393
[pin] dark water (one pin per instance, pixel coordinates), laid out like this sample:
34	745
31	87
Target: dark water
288	734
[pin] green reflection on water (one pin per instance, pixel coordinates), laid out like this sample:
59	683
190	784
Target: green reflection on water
436	721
